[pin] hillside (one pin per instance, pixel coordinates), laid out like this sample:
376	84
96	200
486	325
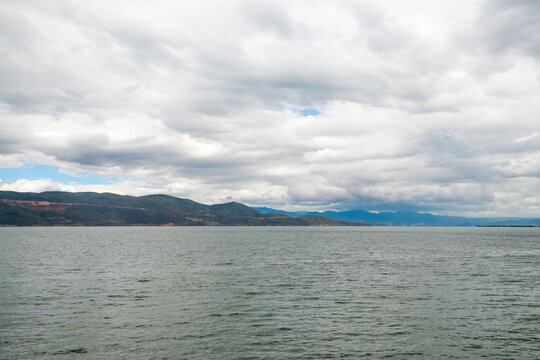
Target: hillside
56	208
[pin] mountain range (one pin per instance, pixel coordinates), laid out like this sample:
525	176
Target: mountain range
56	208
409	218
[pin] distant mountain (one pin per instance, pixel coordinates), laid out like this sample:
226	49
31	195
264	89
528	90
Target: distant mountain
410	218
266	210
516	222
87	208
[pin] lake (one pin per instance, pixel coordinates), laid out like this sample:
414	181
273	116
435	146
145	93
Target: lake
269	293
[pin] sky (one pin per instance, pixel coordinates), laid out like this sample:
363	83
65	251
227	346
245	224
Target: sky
429	106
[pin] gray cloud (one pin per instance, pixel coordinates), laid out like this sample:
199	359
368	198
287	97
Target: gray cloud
268	16
510	25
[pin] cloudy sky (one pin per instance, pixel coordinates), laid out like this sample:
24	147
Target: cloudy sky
379	105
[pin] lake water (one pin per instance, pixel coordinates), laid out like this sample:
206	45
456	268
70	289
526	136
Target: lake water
269	293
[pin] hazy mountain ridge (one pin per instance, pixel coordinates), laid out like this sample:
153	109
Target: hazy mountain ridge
64	208
409	218
87	208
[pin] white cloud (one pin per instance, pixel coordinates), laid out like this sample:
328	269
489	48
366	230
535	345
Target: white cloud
526	138
40	185
7	161
424	104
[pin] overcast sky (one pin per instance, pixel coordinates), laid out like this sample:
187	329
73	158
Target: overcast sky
378	105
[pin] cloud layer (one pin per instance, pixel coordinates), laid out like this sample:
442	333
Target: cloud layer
410	104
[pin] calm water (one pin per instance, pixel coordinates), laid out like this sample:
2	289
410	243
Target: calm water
272	293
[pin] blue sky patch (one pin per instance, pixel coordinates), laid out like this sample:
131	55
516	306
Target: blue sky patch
307	111
38	171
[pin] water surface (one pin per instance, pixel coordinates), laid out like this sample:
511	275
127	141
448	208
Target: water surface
269	292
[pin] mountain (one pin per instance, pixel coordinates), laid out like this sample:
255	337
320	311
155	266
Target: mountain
410	218
266	210
88	208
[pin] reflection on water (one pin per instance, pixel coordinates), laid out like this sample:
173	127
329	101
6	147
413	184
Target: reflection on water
273	293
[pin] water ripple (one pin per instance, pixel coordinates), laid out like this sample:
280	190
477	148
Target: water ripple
276	293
